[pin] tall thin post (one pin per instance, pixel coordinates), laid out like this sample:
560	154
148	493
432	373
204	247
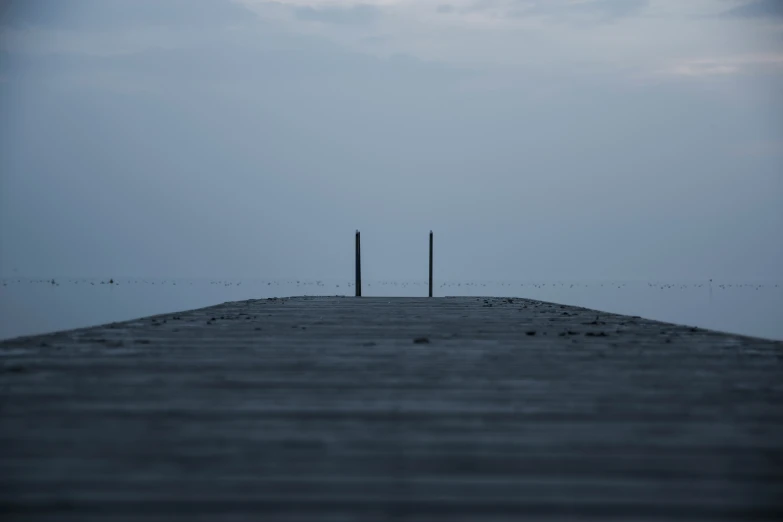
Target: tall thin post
358	265
430	263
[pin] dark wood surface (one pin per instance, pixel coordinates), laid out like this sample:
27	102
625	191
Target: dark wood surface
408	409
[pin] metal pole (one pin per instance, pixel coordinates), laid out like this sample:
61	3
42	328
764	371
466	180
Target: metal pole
430	263
358	265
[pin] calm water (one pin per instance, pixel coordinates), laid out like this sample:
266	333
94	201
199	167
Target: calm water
32	306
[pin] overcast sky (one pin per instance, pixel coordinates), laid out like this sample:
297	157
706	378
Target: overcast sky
557	139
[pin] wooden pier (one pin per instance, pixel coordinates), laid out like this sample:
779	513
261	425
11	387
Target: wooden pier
403	409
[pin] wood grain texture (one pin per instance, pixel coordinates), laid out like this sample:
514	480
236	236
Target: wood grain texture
391	409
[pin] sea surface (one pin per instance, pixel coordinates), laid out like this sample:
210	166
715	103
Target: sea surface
35	306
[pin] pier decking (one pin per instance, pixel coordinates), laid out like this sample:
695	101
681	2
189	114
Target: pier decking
411	409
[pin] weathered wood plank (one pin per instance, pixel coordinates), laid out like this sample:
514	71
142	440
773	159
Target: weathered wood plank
326	409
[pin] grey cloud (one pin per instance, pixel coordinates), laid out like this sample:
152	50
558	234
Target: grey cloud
757	9
260	154
188	178
376	40
354	15
613	8
445	8
597	9
113	14
481	5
